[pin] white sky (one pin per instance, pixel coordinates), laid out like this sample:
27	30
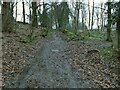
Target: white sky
19	6
20	17
27	8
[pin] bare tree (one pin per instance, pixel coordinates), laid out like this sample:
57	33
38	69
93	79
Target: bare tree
75	14
16	12
23	3
102	15
77	10
83	15
98	18
92	22
89	14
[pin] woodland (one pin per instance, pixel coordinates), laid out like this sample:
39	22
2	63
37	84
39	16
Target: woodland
72	44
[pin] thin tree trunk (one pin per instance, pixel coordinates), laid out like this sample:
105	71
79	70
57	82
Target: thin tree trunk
97	14
102	21
51	18
16	13
83	15
77	11
92	16
82	11
83	22
23	12
12	11
0	22
89	14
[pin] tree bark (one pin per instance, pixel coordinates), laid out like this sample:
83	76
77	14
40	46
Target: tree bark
97	14
16	13
34	14
118	33
6	17
101	17
12	11
76	18
109	23
23	12
89	14
78	12
92	16
44	16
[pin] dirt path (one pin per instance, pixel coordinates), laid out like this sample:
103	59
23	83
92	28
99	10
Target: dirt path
50	68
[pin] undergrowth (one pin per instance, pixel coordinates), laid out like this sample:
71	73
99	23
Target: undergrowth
33	37
84	35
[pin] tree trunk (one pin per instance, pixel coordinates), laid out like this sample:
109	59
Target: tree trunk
12	10
6	17
83	21
16	13
109	23
97	15
89	14
76	18
44	16
92	16
23	12
83	15
118	33
102	17
34	14
78	12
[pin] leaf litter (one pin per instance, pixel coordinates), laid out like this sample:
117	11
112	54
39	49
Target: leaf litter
92	63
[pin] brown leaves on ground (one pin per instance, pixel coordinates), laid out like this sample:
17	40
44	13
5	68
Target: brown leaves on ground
92	63
16	53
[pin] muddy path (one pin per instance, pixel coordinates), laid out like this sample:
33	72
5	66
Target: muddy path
50	69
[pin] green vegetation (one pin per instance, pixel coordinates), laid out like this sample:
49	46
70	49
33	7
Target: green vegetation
84	35
108	52
28	39
45	32
69	35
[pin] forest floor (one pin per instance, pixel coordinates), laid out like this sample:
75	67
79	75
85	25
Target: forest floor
53	62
